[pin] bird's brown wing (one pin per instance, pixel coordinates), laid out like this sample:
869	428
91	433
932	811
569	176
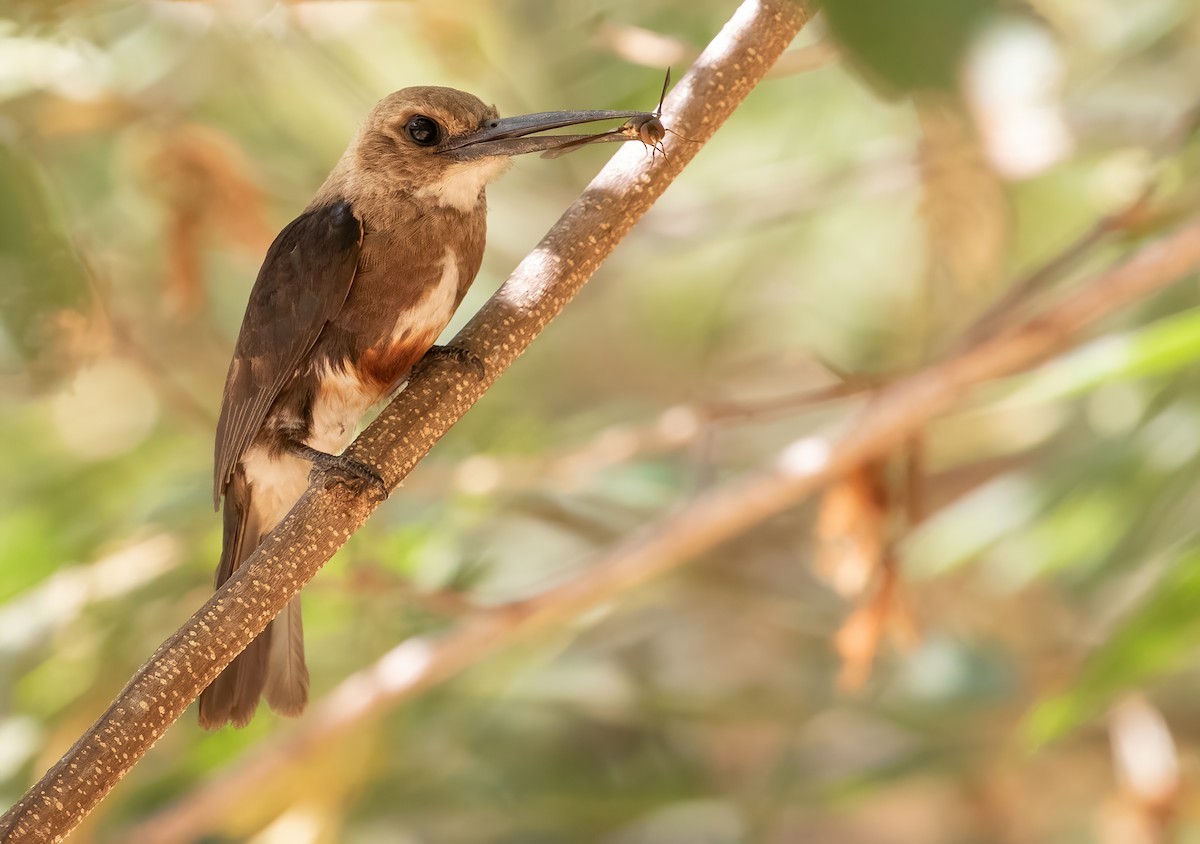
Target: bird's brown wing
302	285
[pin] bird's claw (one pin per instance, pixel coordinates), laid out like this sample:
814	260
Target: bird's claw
463	357
357	476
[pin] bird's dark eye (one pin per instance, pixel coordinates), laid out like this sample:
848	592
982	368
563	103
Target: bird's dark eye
423	131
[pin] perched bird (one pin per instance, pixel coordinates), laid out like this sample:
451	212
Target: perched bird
351	295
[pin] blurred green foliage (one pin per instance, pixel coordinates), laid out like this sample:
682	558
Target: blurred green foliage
908	162
43	277
910	46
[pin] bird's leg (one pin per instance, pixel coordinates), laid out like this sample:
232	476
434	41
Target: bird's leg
463	357
359	476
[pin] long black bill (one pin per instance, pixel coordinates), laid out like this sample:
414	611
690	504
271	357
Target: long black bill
510	135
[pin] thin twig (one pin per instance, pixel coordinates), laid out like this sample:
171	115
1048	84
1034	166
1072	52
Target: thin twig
894	415
1021	293
376	580
1018	296
915	478
757	409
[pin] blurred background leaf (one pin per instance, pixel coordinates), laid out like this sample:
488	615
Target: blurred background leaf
1157	638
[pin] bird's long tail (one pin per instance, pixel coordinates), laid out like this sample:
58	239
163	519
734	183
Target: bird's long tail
274	662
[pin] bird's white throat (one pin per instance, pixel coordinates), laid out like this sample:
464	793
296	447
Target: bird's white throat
460	186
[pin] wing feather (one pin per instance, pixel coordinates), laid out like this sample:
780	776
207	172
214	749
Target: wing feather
302	285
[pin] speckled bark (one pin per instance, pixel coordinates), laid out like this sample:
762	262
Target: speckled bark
328	514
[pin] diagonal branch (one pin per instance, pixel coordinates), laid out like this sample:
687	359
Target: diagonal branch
436	398
894	414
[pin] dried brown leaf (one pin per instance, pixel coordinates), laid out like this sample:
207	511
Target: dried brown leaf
851	529
857	641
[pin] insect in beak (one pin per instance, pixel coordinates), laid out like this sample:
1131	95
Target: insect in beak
518	135
646	127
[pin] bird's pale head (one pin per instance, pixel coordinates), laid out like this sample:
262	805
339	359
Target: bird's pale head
402	144
446	145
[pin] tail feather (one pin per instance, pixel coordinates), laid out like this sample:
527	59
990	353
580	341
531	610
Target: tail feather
287	675
274	661
233	696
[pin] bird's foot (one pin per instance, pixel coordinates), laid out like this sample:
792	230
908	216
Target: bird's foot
354	474
463	357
